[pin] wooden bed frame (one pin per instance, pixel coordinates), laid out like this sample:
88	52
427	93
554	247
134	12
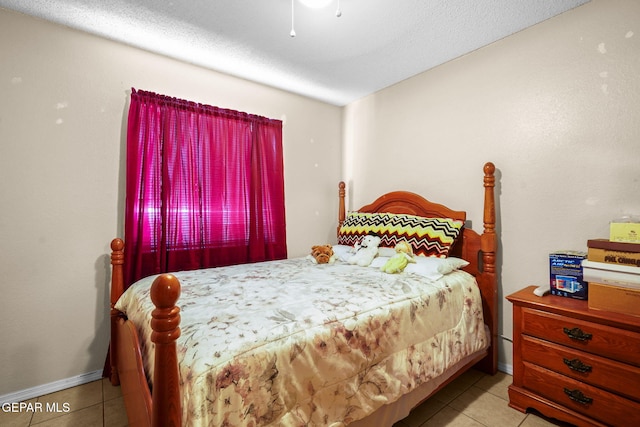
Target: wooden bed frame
163	406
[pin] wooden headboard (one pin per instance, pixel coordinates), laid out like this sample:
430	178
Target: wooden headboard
479	249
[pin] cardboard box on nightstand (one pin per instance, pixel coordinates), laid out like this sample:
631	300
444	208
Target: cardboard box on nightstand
613	287
618	299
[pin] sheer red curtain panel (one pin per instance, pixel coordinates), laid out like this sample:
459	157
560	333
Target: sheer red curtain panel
204	187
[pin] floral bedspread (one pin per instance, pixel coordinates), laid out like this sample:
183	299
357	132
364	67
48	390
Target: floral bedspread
292	343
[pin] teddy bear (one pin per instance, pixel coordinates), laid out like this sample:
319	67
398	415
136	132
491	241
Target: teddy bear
365	250
403	256
322	254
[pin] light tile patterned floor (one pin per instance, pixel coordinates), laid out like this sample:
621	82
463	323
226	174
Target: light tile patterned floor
473	400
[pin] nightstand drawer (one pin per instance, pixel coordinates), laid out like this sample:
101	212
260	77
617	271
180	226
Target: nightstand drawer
585	399
608	374
618	344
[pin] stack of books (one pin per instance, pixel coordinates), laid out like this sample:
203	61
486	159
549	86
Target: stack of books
612	271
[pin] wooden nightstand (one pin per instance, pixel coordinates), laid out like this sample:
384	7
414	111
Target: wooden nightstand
573	363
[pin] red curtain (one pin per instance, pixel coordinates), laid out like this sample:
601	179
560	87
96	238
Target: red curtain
205	187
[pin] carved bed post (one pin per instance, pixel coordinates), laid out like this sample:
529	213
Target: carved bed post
489	238
165	322
489	247
341	204
117	287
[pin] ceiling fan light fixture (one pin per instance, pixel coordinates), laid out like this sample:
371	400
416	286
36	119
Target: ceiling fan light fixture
316	4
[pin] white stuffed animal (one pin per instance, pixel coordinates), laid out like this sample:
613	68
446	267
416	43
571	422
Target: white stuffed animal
366	250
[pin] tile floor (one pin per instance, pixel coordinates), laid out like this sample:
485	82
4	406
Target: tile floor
473	400
94	404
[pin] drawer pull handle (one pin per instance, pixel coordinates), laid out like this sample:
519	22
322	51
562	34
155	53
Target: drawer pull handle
577	365
577	334
578	396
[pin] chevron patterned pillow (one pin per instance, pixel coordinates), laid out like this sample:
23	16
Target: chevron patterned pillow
427	236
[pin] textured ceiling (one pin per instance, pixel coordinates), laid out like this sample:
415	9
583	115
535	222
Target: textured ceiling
374	44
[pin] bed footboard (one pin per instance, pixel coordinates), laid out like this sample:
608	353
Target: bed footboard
163	406
165	322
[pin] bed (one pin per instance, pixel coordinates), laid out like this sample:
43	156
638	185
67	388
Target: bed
344	345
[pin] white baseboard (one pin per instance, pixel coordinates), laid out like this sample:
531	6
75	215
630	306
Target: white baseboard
40	390
506	368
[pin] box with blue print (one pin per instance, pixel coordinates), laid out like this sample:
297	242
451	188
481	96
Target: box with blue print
566	274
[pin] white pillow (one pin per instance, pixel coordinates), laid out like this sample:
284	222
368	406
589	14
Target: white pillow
434	268
342	252
387	252
379	261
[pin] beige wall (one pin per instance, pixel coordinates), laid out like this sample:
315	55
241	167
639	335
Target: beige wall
556	107
63	106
